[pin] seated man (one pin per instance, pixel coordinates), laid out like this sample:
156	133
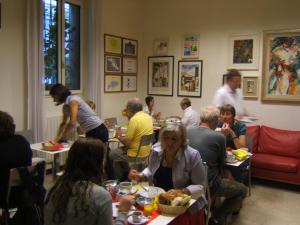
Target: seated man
190	117
15	152
140	124
211	145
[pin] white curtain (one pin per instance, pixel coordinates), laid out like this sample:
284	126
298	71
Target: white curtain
34	68
94	85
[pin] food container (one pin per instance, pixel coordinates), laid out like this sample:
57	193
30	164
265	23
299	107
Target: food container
174	210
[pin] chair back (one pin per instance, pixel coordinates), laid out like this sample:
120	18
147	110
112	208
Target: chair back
111	122
145	140
27	134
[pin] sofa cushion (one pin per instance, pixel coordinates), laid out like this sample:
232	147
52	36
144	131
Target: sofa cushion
279	142
253	131
275	163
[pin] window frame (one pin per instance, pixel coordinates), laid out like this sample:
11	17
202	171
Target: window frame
61	42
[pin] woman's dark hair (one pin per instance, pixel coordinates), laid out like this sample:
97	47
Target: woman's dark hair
148	99
61	91
7	126
83	166
227	108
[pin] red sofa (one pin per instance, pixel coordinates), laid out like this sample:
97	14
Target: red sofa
276	154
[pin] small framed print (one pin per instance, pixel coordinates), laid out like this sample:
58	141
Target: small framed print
129	83
190	47
130	47
160	46
112	44
112	83
250	87
113	64
129	65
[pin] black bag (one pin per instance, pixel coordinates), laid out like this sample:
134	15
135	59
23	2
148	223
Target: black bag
32	195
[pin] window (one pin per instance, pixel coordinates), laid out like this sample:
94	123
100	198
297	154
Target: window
62	44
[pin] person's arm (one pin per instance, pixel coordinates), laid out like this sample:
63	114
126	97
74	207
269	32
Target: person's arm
124	140
71	123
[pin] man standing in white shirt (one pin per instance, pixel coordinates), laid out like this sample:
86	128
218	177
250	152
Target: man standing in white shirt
230	93
190	117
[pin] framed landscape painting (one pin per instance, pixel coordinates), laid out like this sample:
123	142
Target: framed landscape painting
281	66
112	44
244	52
160	75
189	78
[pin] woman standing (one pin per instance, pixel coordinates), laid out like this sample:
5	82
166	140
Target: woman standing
77	197
76	110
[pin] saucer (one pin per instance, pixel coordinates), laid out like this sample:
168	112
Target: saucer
143	220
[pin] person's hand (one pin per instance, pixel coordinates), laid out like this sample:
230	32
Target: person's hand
126	202
135	175
225	129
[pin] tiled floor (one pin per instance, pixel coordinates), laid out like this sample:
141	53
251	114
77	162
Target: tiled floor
271	203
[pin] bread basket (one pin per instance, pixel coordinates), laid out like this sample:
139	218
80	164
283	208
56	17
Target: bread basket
174	210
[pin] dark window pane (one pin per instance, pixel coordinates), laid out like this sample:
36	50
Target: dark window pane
72	46
50	43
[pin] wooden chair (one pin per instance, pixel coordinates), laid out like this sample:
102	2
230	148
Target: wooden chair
145	140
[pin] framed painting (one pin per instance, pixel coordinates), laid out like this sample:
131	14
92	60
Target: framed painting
244	52
160	75
112	44
190	78
112	83
190	47
129	83
281	66
130	47
129	65
160	46
112	64
250	87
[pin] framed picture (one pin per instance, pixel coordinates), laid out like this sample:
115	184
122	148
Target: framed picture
130	47
190	47
129	65
112	64
112	44
250	87
244	52
160	75
160	46
281	66
112	83
129	83
189	78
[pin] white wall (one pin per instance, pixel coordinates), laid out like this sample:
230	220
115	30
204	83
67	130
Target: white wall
145	20
214	21
12	60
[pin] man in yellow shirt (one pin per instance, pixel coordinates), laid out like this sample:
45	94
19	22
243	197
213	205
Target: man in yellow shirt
140	124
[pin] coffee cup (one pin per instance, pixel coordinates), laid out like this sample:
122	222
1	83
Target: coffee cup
137	216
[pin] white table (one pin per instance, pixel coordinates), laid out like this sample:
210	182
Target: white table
56	156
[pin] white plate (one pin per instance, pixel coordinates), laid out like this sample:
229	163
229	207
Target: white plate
143	220
151	193
231	160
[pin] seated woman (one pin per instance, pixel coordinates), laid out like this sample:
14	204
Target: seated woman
235	133
15	152
174	164
77	197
